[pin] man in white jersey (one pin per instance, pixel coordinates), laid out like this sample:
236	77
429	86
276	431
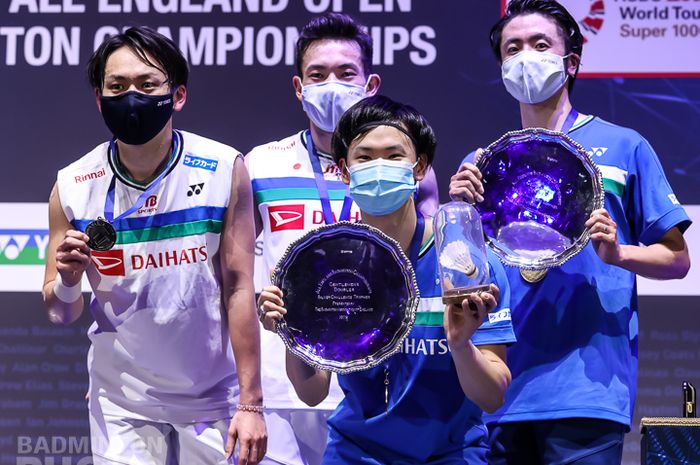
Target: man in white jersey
160	221
298	187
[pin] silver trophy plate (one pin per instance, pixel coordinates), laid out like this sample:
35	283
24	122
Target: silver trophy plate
540	188
351	297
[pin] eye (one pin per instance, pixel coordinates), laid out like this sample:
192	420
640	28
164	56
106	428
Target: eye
512	50
315	76
115	87
396	156
541	46
348	74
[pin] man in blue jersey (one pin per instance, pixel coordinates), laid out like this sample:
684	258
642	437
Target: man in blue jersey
575	364
421	406
174	361
297	187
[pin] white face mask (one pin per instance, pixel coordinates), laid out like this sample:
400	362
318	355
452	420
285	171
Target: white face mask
325	102
533	77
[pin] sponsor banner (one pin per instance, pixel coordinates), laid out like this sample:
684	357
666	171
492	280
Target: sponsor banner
632	38
24	238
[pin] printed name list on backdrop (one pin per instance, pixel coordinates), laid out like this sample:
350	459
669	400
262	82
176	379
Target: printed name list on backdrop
27	35
638	38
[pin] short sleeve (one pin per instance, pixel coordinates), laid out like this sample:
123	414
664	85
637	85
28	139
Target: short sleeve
497	328
656	209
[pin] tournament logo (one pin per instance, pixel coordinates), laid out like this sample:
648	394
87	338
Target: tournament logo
109	262
592	23
286	217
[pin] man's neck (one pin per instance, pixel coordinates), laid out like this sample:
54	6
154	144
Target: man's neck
399	225
321	138
550	114
143	162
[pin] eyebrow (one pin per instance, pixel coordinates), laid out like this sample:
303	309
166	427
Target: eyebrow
344	65
118	77
534	37
397	147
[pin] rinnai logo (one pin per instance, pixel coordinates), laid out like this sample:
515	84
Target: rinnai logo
286	217
109	262
90	176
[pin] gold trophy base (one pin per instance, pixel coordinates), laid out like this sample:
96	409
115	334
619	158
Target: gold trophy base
456	296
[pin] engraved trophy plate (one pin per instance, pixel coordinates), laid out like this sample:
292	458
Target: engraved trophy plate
540	187
351	297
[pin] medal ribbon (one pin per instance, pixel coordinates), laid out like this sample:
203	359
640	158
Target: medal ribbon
152	187
570	120
323	187
414	251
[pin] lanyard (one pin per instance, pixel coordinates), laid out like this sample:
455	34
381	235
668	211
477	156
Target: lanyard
570	120
413	252
323	187
152	187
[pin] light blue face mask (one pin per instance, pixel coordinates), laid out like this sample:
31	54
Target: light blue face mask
380	187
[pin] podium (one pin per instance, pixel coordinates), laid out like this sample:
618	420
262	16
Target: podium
670	441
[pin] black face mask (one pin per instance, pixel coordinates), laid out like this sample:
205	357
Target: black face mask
135	118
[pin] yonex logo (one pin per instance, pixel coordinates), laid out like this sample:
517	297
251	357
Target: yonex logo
286	217
673	199
598	151
110	262
195	189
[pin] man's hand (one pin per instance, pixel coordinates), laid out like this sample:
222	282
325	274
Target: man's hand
462	321
72	257
466	183
271	307
603	232
248	429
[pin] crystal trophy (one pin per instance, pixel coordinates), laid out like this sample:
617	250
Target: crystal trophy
461	252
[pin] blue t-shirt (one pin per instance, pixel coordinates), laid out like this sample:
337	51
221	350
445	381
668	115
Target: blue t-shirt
429	416
576	354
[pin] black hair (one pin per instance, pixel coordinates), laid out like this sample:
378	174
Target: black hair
567	25
144	42
336	26
364	116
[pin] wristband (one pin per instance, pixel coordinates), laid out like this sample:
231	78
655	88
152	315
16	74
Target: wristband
250	408
66	294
